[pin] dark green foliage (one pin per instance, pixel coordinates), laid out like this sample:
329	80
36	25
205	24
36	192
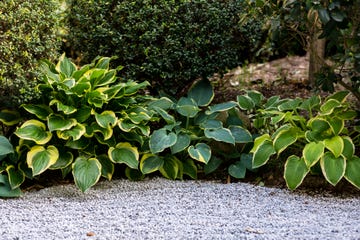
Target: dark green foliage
169	43
27	34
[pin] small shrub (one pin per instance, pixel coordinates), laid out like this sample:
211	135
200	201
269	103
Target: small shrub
169	43
27	34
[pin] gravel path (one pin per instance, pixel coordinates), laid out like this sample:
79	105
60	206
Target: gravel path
162	209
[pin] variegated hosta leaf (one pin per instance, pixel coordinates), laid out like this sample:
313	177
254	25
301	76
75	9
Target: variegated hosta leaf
9	118
40	158
245	102
333	167
262	150
64	160
312	153
221	107
58	122
106	79
202	93
329	106
336	125
5	188
65	66
34	130
74	133
160	140
82	114
220	134
106	119
150	163
190	168
124	153
352	172
139	114
241	135
169	119
172	168
81	87
295	171
16	176
86	172
96	98
284	139
163	103
62	107
133	87
335	145
39	110
107	166
187	107
5	146
182	142
349	148
201	152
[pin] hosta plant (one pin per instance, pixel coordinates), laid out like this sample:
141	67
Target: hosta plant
88	120
192	131
316	135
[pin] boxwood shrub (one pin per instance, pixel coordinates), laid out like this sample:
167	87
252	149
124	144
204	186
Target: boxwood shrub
27	34
169	43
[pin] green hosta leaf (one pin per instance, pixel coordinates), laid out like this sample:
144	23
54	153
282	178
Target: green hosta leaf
134	174
187	107
126	125
240	134
16	176
202	93
221	107
349	148
40	159
335	145
65	159
86	172
106	79
94	74
41	111
65	66
62	107
272	103
329	106
255	96
295	171
106	119
352	172
182	142
320	130
260	140
336	125
134	87
311	103
172	168
107	166
262	153
81	87
347	115
9	117
190	168
35	131
201	152
220	134
312	153
114	91
212	165
333	167
78	144
96	98
74	133
339	96
58	122
163	103
211	124
169	119
245	102
5	188
103	63
150	163
5	146
139	114
82	114
124	153
290	104
160	140
237	170
284	139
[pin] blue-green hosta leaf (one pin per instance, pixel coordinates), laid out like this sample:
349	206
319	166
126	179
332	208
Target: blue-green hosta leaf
74	133
86	172
263	149
237	170
107	166
164	103
349	148
58	122
5	146
106	119
5	188
335	145
284	139
312	153
39	110
187	107
34	130
241	135
124	153
169	119
160	140
295	171
221	107
333	167
201	152
202	93
62	107
106	79
150	163
220	134
16	176
65	66
9	117
64	160
182	142
352	172
40	158
245	102
172	168
211	124
329	106
213	164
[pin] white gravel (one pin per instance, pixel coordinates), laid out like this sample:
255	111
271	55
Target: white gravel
162	209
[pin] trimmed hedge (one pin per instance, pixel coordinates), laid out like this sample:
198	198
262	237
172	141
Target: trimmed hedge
169	43
27	34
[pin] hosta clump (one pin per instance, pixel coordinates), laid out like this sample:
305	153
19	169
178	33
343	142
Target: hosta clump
315	128
191	128
88	120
